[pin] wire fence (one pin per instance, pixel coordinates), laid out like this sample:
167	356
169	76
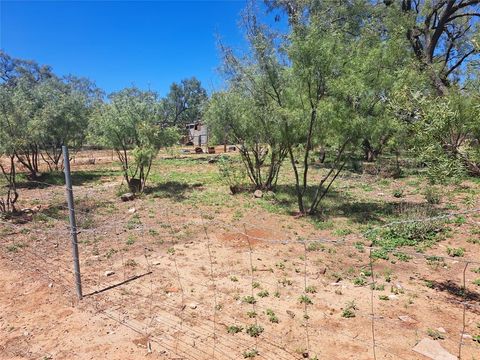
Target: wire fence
196	285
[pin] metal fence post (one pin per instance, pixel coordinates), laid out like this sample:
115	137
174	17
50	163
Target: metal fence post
73	223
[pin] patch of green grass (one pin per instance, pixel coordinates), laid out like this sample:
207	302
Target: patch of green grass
383	297
130	240
316	246
456	252
380	254
15	247
322	224
476	282
359	281
402	256
420	234
342	232
133	222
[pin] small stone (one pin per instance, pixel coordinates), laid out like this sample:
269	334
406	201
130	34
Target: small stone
109	272
258	194
50	285
193	305
127	197
467	336
407	319
433	350
291	313
392	297
132	211
441	330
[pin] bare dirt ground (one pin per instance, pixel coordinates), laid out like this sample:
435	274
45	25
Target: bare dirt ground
195	272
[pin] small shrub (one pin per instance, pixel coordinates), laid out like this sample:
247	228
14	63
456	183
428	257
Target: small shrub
359	281
304	299
234	329
476	282
249	299
432	195
271	316
398	193
250	353
263	293
254	330
233	278
310	289
456	252
315	246
383	297
251	314
402	256
349	310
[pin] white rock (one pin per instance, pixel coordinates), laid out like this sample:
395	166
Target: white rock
50	285
467	336
132	210
258	194
392	297
433	350
109	272
407	319
193	305
441	330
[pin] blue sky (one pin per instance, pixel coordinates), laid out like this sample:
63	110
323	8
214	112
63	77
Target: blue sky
117	44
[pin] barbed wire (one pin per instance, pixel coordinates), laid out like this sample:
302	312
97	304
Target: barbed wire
221	344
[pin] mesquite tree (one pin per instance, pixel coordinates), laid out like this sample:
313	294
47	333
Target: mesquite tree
8	129
130	124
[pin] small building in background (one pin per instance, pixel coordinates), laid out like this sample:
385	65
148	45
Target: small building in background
197	134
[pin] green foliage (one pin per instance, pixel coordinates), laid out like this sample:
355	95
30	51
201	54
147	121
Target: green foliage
408	233
129	123
349	310
254	330
234	329
184	103
456	252
432	195
249	299
232	172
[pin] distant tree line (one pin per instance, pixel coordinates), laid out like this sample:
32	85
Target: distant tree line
41	111
349	77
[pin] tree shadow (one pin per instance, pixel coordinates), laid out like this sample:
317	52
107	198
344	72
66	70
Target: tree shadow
57	178
173	190
456	290
340	204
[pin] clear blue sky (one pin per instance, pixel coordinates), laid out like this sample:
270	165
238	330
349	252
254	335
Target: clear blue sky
117	44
